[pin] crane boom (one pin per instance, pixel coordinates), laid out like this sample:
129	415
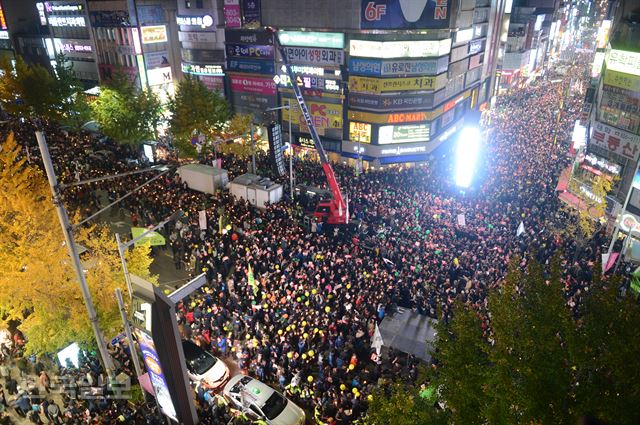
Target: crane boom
339	213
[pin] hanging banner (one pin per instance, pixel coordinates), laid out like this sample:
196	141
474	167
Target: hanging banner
388	85
158	381
202	219
248	37
405	14
615	140
251	13
153	238
154	60
231	10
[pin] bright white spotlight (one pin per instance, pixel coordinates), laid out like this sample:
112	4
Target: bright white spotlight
467	152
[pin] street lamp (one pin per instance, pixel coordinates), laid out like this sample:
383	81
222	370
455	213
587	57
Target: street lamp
68	228
122	246
288	107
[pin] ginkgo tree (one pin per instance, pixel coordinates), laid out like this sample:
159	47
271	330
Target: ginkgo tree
38	287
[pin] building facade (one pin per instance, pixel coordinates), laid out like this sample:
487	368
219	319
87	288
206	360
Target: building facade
386	81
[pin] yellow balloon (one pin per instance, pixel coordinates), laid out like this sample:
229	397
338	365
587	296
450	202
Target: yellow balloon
343	387
315	330
306	303
304	356
305	335
293	326
311	353
306	293
370	397
314	291
288	328
327	309
348	286
304	323
310	378
248	336
290	354
354	390
351	367
265	305
279	331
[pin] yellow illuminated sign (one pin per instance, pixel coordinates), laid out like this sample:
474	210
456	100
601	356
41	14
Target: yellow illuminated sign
154	34
359	132
324	115
389	85
621	80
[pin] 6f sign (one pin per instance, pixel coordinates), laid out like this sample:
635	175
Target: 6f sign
404	14
373	12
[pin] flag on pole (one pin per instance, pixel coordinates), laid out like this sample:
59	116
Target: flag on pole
520	229
376	341
202	219
252	280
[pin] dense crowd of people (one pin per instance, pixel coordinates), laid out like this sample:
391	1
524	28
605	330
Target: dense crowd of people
305	324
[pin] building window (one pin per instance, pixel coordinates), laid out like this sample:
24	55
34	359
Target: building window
187	4
199	4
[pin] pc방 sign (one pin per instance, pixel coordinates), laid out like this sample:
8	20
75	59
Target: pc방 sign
404	14
250	51
323	115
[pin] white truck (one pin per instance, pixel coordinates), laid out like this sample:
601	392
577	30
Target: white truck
204	178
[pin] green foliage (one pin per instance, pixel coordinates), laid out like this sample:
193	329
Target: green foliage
465	365
196	110
27	90
30	91
127	114
38	286
399	404
538	364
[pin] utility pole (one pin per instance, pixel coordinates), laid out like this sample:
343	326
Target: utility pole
290	152
253	150
127	331
67	230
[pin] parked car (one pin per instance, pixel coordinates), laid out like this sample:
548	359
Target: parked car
203	367
261	401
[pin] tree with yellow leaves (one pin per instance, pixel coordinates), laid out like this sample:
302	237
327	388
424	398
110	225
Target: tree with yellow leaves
238	132
38	286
